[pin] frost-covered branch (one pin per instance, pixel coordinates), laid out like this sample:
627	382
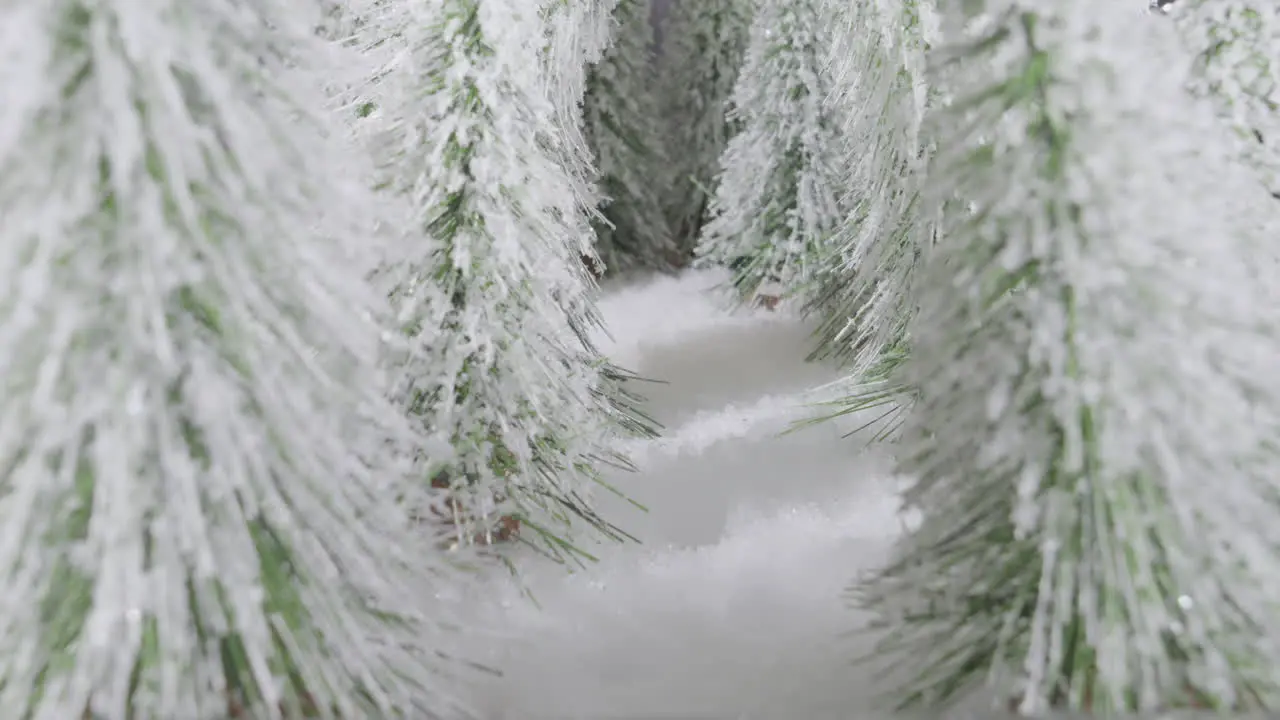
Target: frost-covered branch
1237	46
868	294
576	34
489	287
197	470
1093	447
779	192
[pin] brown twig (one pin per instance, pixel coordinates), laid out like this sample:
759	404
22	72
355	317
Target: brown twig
508	525
768	302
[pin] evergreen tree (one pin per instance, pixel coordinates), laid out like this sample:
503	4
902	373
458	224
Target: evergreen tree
1093	445
197	472
1237	46
867	297
490	291
623	128
576	34
704	42
779	193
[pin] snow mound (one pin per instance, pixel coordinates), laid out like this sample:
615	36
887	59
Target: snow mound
661	311
706	429
732	604
749	626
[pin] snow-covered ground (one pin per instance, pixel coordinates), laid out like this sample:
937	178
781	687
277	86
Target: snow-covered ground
732	604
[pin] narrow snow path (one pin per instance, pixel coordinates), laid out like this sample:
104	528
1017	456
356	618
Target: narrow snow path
731	606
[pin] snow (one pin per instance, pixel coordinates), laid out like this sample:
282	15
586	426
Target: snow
729	606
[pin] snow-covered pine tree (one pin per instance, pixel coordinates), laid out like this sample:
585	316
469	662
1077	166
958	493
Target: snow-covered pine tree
1093	449
577	33
196	482
490	290
778	197
625	133
344	24
866	298
704	42
1237	44
880	87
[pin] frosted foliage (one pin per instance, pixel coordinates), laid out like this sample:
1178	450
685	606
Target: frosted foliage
703	47
491	292
361	88
191	525
1238	64
1094	440
623	127
576	35
882	92
778	198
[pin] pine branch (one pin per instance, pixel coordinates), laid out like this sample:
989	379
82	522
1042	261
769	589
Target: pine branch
198	473
778	196
1093	441
1237	48
493	300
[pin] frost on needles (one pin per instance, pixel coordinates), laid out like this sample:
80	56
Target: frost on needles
195	461
1093	448
881	88
491	294
1237	46
576	34
866	296
779	194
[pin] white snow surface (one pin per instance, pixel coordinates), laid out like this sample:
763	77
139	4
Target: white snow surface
731	605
